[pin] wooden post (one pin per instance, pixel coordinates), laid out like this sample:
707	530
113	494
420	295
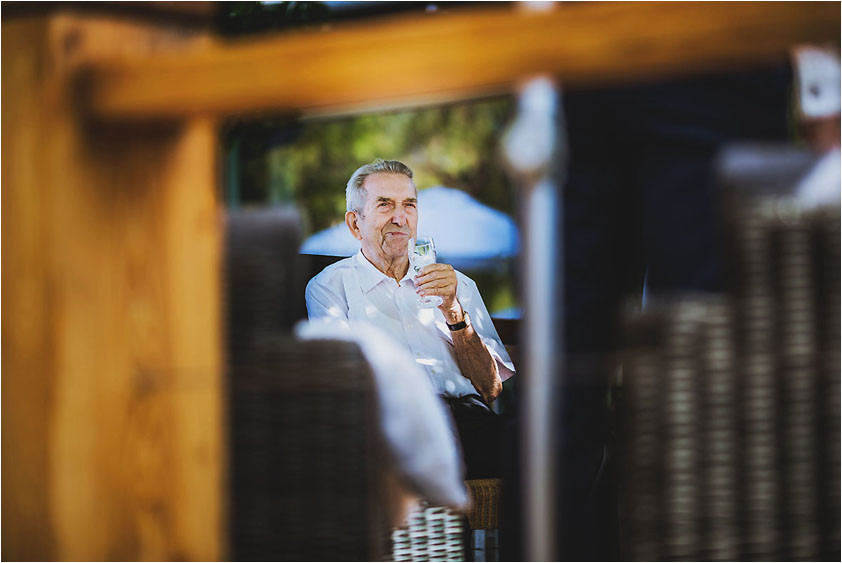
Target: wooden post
112	412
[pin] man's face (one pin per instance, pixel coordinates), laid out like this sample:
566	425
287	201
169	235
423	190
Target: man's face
390	216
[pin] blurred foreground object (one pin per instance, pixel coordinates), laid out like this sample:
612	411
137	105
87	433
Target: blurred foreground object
818	94
473	53
412	419
818	81
535	155
432	533
308	473
307	476
731	403
112	358
435	533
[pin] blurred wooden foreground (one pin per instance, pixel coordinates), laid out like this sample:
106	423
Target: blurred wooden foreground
112	415
444	57
113	418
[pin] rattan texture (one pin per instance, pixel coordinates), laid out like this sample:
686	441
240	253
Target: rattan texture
730	411
306	456
305	452
484	508
264	280
433	533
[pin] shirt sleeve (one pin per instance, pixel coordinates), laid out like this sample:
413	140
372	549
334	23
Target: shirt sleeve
325	298
472	302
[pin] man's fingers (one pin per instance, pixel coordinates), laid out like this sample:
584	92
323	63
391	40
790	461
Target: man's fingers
431	268
435	271
440	291
437	279
435	276
435	284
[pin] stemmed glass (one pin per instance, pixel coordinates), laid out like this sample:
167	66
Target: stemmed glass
422	252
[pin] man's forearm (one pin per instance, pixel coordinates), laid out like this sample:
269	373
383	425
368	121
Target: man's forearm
475	361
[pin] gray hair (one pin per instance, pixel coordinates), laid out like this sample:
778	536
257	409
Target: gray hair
355	192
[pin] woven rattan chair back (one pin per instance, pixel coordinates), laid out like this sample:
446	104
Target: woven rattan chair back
305	454
306	457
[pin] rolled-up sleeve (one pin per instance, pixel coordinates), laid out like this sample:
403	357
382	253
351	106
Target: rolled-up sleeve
472	302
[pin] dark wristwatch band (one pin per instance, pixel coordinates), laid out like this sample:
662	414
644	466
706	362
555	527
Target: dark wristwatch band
460	325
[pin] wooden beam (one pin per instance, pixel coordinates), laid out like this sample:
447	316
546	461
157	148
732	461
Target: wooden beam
410	60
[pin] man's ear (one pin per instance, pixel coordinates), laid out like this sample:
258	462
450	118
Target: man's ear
351	221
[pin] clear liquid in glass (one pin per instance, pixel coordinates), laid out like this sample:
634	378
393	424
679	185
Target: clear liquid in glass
422	252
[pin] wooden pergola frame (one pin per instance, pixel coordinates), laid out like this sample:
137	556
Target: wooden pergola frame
439	57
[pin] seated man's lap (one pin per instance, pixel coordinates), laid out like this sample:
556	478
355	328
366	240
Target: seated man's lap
480	433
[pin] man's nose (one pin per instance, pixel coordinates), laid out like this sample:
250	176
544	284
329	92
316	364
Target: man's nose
399	217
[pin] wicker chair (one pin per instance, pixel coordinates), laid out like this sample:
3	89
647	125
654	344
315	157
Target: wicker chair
306	453
484	510
305	476
435	533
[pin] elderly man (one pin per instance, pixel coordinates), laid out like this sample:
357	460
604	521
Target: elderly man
456	344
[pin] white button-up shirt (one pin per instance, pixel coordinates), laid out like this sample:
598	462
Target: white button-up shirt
354	290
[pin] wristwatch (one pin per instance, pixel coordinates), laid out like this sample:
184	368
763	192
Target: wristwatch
466	320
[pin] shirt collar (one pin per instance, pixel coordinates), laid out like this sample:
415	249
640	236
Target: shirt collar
368	273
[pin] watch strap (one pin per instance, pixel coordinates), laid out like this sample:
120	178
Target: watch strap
460	325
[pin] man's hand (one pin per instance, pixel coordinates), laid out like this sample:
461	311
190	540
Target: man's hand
439	279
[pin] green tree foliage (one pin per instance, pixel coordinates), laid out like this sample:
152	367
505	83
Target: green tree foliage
454	146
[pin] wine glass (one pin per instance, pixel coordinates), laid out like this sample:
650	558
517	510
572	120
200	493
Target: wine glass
422	252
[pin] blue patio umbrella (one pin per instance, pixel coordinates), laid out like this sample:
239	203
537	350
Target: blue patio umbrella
468	234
